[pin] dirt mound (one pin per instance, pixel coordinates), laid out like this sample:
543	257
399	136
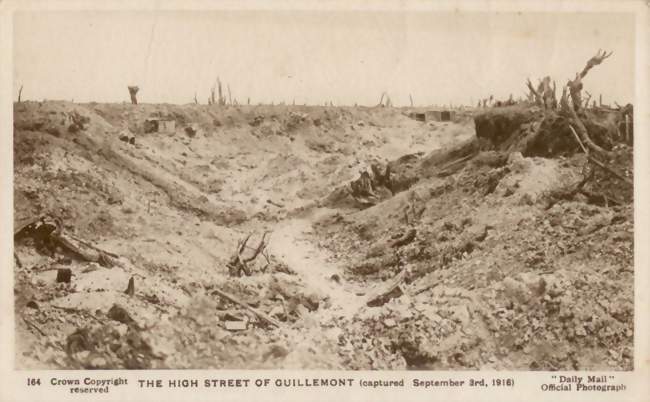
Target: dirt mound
502	126
171	205
391	243
492	270
536	132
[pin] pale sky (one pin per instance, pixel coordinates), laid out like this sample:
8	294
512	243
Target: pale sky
345	57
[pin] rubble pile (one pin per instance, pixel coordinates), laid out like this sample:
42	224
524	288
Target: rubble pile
224	236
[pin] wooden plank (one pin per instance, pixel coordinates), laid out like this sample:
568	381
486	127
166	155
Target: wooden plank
258	313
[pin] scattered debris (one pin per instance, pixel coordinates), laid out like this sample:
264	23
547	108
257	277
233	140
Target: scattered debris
34	326
275	204
386	292
468	250
47	233
238	302
404	239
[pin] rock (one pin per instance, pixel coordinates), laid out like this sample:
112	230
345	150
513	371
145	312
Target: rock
98	362
63	275
191	130
277	311
81	356
236	325
515	157
516	291
121	329
526	199
152	298
478	232
275	351
119	314
390	323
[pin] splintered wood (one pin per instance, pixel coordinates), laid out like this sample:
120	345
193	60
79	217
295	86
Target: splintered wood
48	234
238	263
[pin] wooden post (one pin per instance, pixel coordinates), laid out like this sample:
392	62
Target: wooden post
600	100
411	98
20	92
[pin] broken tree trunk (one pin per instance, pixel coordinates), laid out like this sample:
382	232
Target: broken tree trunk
381	100
133	90
387	292
258	313
575	85
548	93
454	166
90	254
584	135
379	178
586	103
533	93
211	99
362	189
405	239
238	263
48	231
599	163
20	92
222	99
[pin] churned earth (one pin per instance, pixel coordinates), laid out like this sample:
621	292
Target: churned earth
472	264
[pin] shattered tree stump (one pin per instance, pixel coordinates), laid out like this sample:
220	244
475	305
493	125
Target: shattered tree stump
238	263
133	90
48	235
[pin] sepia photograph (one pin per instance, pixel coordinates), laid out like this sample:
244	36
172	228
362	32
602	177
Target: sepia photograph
323	189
